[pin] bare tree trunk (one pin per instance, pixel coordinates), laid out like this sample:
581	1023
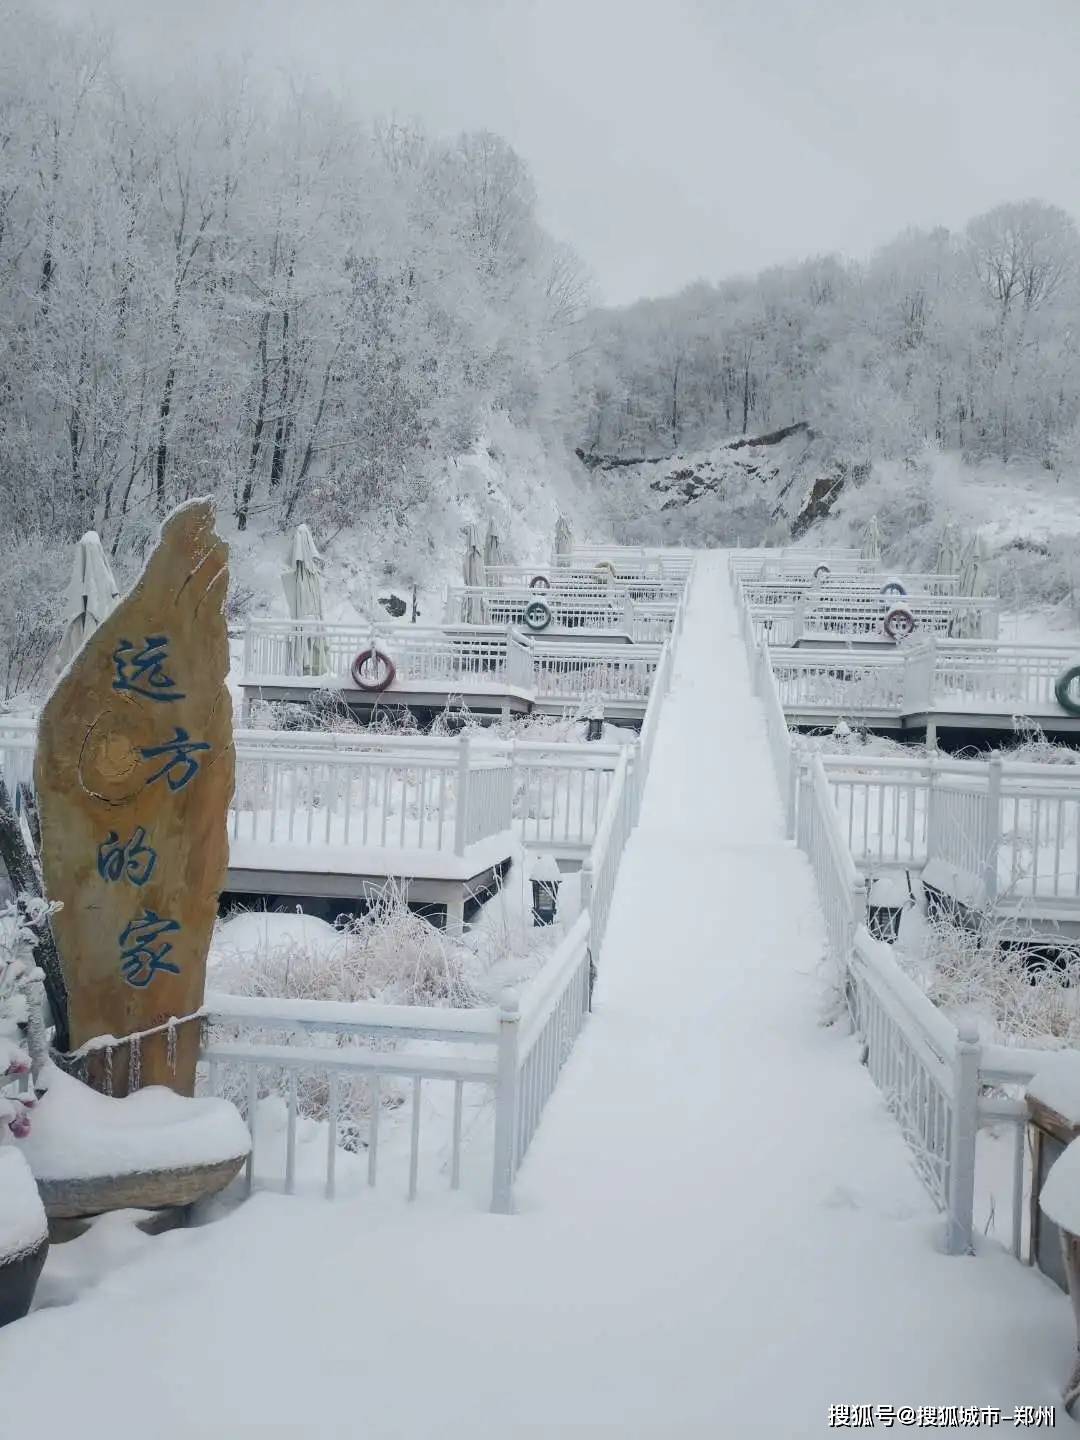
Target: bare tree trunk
260	421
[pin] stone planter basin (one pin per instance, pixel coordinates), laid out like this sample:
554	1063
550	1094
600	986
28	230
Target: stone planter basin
151	1150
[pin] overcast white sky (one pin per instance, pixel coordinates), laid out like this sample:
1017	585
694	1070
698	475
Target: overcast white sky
678	139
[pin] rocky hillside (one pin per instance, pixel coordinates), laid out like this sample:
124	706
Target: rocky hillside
749	490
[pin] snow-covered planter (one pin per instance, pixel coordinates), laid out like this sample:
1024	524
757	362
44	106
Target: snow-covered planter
91	1152
24	1235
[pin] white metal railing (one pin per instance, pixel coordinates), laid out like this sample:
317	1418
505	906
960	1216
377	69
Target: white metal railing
515	1051
955	616
786	590
586	582
415	798
612	672
939	1081
319	652
1005	832
500	605
921	676
560	793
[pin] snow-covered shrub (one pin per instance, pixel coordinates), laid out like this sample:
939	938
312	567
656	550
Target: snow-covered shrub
20	1019
1017	993
391	955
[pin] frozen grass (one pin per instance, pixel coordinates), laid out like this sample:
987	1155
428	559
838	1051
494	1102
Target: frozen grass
1012	990
389	956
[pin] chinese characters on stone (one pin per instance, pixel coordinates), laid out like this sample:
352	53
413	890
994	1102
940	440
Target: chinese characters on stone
142	671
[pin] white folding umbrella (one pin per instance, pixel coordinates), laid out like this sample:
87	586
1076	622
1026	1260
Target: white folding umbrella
302	584
91	595
564	537
949	550
871	541
473	572
973	567
491	546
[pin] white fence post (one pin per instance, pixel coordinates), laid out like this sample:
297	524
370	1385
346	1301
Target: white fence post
506	1084
461	809
991	836
792	791
931	807
965	1124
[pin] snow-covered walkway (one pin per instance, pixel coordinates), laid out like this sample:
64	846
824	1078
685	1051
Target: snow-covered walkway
719	1232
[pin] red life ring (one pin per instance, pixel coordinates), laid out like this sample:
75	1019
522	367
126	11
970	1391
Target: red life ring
385	675
899	623
540	582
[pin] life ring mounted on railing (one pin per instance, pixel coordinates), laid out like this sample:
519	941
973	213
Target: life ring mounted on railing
540	583
537	615
893	587
373	670
899	623
822	572
605	569
1063	690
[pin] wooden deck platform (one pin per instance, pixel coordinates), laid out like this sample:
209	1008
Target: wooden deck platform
329	880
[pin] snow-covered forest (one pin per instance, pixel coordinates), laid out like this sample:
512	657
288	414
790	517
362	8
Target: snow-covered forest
967	340
245	290
244	286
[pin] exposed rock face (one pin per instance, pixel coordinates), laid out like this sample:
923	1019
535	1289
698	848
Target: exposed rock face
134	774
740	488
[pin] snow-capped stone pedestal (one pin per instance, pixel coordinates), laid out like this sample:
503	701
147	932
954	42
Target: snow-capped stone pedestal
152	1150
133	774
24	1235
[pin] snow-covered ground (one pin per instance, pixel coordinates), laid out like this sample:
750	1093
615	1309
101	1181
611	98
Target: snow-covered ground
719	1230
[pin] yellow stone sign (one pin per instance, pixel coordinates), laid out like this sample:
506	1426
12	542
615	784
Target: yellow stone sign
134	774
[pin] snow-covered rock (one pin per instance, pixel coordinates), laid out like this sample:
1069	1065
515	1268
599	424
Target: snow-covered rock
80	1134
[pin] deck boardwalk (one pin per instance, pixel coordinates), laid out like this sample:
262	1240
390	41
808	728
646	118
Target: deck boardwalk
720	1232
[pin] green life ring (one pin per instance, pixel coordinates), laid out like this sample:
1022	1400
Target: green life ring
1063	690
537	615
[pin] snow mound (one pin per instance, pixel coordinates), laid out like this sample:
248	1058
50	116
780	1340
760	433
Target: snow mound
1059	1199
79	1134
1058	1088
22	1215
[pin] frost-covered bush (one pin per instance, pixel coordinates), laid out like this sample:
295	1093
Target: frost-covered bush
1018	994
390	955
20	1017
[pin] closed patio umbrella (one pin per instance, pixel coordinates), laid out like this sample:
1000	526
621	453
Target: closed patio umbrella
950	548
564	538
473	572
491	546
871	541
91	595
302	584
